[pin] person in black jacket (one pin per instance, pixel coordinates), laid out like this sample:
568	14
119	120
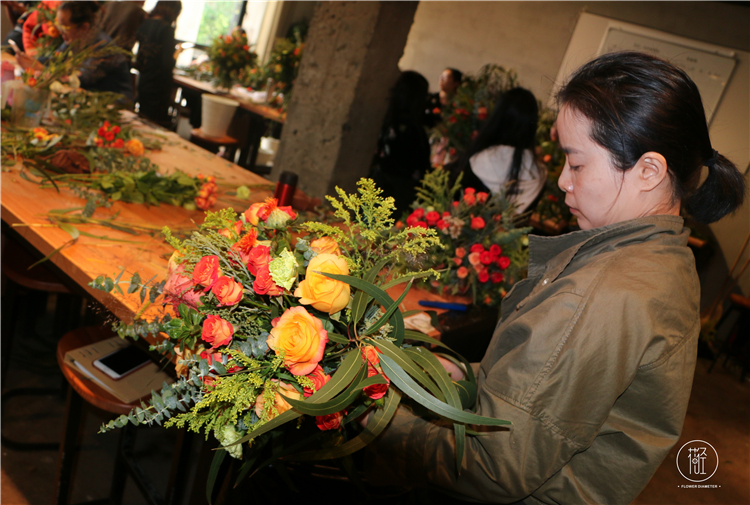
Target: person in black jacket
403	155
155	61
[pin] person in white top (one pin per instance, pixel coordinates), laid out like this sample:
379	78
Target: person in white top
501	158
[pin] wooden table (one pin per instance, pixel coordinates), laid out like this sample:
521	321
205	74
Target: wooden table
247	127
25	203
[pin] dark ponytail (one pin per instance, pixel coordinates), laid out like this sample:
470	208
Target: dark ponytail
639	103
721	193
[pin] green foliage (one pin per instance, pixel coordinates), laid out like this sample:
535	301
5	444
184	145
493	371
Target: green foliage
435	191
369	236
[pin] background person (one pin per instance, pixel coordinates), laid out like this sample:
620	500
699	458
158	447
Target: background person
77	22
155	62
593	358
502	157
403	155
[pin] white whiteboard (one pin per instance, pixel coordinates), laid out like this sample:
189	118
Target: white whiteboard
710	70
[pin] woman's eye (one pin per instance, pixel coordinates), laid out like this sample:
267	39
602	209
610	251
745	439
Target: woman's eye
574	167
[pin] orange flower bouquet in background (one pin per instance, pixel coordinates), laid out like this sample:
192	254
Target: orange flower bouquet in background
270	321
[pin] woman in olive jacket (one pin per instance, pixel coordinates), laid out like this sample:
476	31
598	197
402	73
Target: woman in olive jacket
594	354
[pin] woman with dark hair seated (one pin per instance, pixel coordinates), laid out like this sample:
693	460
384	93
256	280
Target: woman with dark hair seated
155	61
403	155
78	26
502	157
594	355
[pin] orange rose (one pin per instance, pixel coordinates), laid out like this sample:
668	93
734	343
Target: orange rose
319	378
300	337
462	272
325	245
264	284
330	421
217	331
280	405
135	147
227	291
324	294
207	271
257	258
251	214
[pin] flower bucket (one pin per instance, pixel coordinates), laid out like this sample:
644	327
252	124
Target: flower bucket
217	114
29	106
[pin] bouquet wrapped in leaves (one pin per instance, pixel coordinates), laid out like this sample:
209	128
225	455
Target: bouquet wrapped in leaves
228	56
482	252
286	334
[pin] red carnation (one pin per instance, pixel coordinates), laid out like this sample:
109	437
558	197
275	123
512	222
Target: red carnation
477	223
483	276
476	248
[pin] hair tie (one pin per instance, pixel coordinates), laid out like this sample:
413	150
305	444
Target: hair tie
713	159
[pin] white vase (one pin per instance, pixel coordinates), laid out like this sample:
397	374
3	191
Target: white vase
217	113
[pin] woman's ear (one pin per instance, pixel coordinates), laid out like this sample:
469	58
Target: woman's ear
651	170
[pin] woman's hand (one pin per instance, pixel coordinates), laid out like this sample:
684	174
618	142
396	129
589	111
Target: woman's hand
456	372
27	62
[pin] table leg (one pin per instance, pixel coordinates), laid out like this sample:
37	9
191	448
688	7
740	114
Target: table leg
69	447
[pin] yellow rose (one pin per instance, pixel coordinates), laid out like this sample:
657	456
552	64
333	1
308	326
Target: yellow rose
280	404
302	339
324	294
325	245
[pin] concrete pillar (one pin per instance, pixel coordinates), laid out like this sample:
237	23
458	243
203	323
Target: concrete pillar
341	94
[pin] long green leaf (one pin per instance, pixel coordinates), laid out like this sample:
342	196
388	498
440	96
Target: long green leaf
402	380
66	244
374	427
339	339
430	363
348	369
397	354
397	320
362	299
388	313
406	278
213	472
421	337
340	403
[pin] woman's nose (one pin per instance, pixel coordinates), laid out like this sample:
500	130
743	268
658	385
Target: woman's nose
565	182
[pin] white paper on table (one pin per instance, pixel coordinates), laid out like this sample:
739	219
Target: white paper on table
419	322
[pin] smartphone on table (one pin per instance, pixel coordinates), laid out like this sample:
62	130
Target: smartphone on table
123	361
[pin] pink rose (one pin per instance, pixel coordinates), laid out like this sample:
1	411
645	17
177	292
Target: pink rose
475	259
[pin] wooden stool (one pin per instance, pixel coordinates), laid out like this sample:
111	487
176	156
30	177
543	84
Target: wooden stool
19	281
83	389
737	343
213	144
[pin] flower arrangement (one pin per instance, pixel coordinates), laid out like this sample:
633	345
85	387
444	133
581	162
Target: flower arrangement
281	68
483	253
47	37
269	327
228	56
469	108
